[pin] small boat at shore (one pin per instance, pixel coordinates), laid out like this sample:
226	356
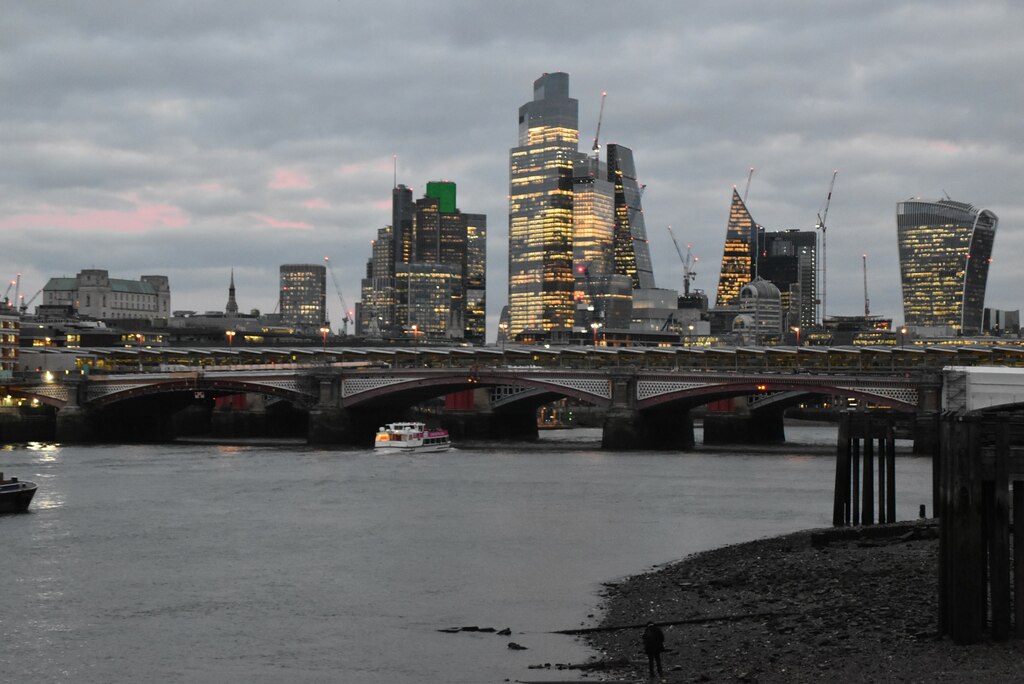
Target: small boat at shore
411	438
15	495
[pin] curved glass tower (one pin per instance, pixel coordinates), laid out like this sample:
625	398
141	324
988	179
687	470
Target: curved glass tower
945	248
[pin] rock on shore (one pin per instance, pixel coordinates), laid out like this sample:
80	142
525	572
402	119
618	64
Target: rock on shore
847	608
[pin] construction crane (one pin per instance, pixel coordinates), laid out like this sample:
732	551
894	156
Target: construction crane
595	150
688	261
346	315
24	305
8	290
867	303
747	190
822	217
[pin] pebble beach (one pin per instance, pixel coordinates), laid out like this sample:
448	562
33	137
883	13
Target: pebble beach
845	605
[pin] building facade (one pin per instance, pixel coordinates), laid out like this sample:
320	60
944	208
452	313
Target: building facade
738	255
632	251
945	248
540	269
788	259
9	340
94	294
427	279
303	296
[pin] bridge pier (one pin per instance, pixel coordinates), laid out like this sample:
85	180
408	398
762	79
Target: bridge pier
625	427
73	423
651	429
758	427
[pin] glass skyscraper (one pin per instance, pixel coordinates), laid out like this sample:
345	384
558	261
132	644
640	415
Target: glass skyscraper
540	268
737	257
945	248
632	252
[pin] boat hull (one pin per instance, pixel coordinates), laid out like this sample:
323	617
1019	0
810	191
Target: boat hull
16	498
411	449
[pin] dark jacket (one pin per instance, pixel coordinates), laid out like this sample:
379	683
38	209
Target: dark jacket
654	639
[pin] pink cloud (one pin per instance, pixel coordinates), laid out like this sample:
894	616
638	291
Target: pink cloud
278	223
288	179
140	219
316	204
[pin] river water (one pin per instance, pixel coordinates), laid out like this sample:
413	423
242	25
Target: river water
206	563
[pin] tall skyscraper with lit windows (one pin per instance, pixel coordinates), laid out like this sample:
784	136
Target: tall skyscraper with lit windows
632	252
738	255
945	248
540	267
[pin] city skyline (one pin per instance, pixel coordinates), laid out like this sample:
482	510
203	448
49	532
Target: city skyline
140	141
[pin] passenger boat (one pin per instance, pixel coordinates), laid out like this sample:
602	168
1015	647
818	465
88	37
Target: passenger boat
15	495
411	437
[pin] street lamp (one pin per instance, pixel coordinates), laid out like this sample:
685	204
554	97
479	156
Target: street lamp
689	335
231	337
903	338
595	325
323	331
503	327
415	332
796	329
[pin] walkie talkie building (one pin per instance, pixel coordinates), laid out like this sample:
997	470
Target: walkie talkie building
945	248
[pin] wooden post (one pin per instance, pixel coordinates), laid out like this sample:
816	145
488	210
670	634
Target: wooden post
855	481
868	509
1018	558
999	534
890	464
841	498
966	620
883	472
941	466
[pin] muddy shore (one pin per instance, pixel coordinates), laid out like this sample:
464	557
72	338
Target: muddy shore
832	605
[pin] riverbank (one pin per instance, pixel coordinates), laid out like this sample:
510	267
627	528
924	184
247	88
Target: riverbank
832	605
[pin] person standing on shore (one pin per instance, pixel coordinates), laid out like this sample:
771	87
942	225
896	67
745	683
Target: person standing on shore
654	643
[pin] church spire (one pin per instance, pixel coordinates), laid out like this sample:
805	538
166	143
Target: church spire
232	308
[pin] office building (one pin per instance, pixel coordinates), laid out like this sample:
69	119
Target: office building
92	293
788	259
738	255
427	278
303	296
9	340
945	248
632	251
540	269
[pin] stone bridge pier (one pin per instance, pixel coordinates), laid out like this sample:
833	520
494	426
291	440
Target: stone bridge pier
73	422
626	426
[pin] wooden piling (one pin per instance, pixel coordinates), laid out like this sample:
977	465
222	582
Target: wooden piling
979	458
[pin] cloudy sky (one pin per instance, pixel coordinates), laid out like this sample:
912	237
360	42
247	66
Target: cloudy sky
190	138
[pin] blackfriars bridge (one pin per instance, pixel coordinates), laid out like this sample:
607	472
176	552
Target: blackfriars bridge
643	408
646	395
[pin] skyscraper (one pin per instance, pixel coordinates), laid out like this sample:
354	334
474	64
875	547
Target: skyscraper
788	259
303	296
540	268
945	248
737	257
632	252
427	279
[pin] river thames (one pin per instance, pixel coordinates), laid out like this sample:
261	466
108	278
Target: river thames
206	563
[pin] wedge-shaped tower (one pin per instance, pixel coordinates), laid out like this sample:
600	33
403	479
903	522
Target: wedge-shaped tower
738	255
